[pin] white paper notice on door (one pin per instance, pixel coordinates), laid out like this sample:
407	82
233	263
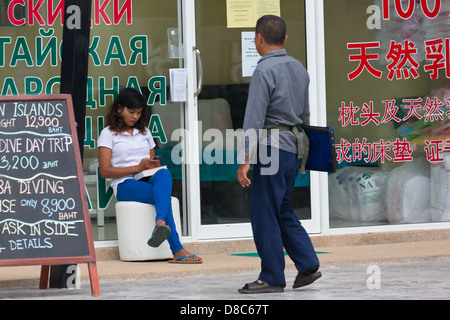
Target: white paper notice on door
250	55
178	84
245	13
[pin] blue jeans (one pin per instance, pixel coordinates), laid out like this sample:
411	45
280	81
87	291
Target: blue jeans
157	191
274	223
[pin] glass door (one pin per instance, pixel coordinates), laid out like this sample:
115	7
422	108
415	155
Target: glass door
224	33
133	44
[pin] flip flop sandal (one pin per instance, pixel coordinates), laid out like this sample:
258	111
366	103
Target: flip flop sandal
180	260
160	233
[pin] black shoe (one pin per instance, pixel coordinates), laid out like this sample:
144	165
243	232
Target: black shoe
304	279
159	235
260	286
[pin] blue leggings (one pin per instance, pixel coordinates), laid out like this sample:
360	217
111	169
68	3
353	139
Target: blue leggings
157	191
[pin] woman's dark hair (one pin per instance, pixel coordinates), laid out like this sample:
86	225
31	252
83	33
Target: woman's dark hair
132	99
272	29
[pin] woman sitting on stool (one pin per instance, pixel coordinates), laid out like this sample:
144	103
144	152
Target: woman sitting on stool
125	147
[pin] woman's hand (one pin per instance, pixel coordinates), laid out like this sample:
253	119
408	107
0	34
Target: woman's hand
107	171
155	163
146	163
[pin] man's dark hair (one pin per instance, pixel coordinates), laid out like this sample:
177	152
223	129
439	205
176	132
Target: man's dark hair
272	29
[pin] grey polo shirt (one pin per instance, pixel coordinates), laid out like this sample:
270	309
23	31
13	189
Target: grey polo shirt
278	95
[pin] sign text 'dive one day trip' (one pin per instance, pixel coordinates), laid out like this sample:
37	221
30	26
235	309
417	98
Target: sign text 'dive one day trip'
44	217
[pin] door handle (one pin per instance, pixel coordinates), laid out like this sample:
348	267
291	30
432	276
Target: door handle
200	71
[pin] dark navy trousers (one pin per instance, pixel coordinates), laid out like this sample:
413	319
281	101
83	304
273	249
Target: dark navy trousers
274	223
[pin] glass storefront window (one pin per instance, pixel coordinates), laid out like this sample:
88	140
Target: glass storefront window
30	46
132	44
388	94
387	68
129	47
222	105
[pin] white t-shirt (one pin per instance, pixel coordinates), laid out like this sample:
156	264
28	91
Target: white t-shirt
127	150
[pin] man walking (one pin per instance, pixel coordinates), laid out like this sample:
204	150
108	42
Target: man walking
278	99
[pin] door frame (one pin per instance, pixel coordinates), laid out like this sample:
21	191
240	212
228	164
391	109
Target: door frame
319	182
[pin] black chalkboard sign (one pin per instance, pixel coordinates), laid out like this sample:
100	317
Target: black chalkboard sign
44	217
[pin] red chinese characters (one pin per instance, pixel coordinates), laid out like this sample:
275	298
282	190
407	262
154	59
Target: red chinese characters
431	108
401	59
397	151
364	57
434	149
437	51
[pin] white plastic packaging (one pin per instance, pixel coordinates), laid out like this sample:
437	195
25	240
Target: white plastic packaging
440	188
356	194
408	193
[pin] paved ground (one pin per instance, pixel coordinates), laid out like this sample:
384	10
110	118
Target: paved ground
388	271
387	281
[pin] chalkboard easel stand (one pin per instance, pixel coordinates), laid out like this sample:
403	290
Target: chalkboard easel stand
50	147
93	277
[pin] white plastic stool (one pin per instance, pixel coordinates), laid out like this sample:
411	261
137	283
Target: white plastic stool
135	224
